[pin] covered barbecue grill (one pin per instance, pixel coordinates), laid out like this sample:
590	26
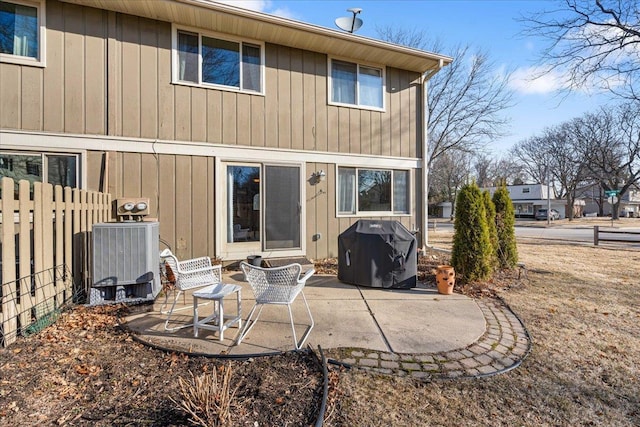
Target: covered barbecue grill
380	254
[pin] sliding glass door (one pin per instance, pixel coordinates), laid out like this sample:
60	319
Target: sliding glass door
263	210
282	207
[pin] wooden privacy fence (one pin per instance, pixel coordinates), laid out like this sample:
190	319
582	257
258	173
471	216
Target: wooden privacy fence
45	246
614	236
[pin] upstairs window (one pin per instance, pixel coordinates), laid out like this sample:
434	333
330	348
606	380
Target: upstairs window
355	84
22	32
206	60
525	190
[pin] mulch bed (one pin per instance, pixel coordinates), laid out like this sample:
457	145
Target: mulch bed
85	370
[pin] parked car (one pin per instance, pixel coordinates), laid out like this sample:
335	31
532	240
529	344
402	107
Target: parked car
542	214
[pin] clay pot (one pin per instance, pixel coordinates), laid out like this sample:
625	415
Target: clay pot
445	279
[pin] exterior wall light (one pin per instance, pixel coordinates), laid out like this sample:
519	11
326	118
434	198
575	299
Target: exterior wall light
320	175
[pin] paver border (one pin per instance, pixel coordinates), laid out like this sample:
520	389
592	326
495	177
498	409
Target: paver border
505	344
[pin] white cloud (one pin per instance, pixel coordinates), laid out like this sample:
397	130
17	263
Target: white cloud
264	6
532	80
283	12
257	5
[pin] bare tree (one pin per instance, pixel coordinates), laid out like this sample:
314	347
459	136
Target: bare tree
450	172
554	156
532	158
610	144
466	99
492	172
601	147
596	43
566	164
483	167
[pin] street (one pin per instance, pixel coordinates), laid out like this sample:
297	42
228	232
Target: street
579	232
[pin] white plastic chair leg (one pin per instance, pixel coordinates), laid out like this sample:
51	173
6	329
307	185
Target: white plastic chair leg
308	331
172	309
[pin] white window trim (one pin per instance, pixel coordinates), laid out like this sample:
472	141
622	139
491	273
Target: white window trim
365	214
174	59
40	61
380	67
239	250
81	159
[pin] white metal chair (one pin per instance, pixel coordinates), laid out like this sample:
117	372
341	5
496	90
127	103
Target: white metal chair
189	274
276	285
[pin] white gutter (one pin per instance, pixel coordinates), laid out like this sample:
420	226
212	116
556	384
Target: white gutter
425	154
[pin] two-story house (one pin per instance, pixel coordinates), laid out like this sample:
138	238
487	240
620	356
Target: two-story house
249	133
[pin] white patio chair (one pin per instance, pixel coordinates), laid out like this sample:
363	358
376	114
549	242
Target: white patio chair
189	274
276	285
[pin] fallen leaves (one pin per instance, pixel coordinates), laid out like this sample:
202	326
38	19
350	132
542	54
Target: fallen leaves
90	370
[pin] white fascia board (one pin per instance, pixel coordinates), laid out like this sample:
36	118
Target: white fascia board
11	139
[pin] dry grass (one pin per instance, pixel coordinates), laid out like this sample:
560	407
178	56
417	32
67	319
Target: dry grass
581	305
207	398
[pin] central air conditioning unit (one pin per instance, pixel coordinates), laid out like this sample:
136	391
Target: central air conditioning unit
126	262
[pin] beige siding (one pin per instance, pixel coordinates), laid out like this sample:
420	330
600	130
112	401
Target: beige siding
10	89
282	97
166	96
244	119
180	189
214	116
271	101
199	114
31	94
257	121
320	126
95	75
150	70
110	74
53	89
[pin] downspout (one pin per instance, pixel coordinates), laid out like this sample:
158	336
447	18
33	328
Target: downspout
425	154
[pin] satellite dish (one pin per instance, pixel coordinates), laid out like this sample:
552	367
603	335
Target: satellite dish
350	24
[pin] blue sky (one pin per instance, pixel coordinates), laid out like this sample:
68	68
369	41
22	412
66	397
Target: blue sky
490	25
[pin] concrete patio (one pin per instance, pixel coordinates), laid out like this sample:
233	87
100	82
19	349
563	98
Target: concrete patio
416	321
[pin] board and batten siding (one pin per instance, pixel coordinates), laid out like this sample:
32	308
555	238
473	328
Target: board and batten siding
181	191
109	73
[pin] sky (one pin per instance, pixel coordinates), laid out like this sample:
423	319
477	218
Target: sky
489	25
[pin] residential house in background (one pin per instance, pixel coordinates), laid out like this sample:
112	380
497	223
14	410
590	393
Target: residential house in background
249	133
528	198
597	202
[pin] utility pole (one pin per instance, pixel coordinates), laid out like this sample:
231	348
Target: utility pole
548	195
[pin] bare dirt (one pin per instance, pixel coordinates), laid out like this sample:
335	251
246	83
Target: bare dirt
581	305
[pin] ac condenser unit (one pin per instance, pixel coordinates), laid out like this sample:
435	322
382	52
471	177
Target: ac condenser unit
126	262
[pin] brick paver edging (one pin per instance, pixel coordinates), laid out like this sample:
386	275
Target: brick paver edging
505	344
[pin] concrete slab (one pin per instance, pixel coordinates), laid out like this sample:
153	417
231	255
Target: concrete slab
434	326
420	292
344	324
404	321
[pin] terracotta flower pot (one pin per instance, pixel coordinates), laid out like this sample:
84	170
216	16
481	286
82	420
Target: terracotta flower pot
445	279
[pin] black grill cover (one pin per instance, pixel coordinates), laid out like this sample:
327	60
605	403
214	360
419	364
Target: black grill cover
380	254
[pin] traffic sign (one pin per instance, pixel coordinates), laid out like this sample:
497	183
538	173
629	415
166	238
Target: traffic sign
612	200
610	193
